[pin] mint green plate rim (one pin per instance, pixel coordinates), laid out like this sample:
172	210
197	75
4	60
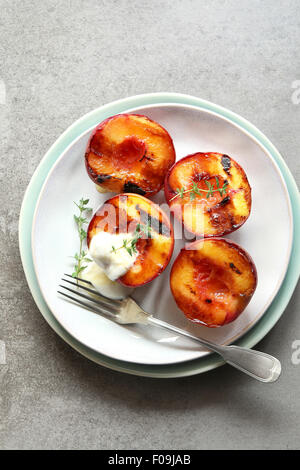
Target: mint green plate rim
91	119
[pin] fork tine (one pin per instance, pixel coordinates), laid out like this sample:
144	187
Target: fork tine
93	291
78	279
108	308
87	305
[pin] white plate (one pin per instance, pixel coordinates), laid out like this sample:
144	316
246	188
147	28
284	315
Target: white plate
267	236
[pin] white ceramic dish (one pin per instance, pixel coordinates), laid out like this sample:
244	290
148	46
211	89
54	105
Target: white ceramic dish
267	236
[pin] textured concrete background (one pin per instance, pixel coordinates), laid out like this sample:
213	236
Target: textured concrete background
61	59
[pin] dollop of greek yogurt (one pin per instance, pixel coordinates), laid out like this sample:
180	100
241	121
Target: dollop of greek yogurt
108	251
105	286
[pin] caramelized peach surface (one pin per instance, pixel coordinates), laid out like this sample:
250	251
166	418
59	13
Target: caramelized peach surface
218	214
212	281
121	214
129	153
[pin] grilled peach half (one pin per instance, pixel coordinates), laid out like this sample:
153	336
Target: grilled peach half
122	213
129	153
221	199
212	281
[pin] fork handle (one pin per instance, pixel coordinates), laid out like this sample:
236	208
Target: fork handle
259	365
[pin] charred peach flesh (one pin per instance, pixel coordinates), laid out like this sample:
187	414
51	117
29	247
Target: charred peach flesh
218	214
212	281
123	213
129	153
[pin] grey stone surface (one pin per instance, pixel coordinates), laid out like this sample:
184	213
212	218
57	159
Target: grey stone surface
59	60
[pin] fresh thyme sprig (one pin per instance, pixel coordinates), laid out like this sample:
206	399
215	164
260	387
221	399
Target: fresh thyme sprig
195	190
81	221
130	245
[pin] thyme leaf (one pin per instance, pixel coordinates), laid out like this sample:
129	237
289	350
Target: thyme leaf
130	245
80	221
196	191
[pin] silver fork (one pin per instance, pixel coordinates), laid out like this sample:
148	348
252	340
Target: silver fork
258	365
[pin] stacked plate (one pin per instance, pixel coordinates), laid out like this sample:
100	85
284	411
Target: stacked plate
271	235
